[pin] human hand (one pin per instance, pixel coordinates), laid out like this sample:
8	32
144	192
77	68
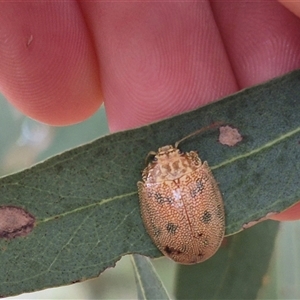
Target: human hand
146	61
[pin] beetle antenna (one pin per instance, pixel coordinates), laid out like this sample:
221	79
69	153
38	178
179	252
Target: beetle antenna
203	129
151	153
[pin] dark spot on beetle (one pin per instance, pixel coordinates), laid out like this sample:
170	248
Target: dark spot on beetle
197	189
171	228
15	222
200	254
171	250
206	217
161	199
168	249
199	235
156	231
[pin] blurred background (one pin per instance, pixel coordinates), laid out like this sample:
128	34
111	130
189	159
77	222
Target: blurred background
24	142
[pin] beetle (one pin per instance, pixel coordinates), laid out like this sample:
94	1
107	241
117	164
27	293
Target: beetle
181	205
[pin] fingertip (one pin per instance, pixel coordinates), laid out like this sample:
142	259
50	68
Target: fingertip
48	68
58	98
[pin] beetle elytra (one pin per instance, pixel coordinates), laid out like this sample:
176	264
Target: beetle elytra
181	205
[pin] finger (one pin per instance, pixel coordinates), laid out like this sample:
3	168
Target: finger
157	59
262	39
48	68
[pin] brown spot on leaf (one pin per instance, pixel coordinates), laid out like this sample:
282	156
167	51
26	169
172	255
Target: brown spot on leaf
76	281
229	136
252	223
15	222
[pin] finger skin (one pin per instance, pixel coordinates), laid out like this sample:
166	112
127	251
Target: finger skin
262	39
158	59
148	71
48	67
293	6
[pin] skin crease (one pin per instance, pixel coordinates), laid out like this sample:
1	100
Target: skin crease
146	60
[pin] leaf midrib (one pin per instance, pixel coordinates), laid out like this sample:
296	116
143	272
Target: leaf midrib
102	202
224	163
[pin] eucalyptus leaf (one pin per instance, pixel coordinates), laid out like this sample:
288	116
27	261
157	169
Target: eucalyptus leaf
148	283
85	201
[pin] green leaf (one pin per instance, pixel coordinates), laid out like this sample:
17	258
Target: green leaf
148	283
85	200
235	272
